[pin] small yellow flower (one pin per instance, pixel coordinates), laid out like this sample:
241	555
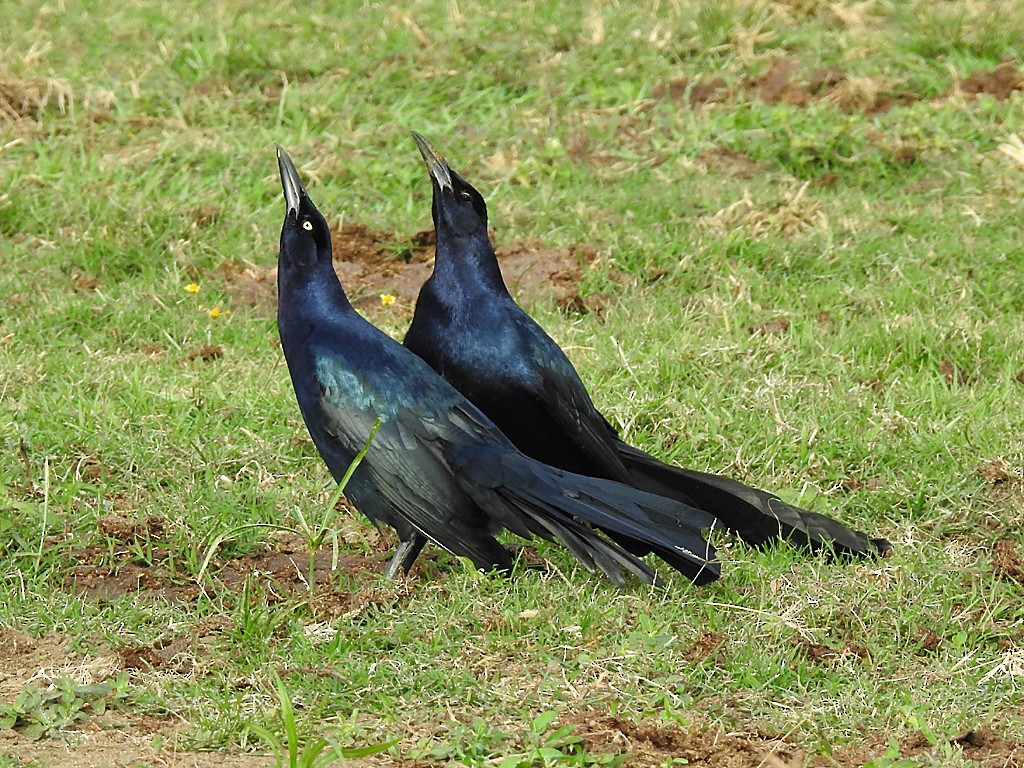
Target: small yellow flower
192	287
213	312
387	299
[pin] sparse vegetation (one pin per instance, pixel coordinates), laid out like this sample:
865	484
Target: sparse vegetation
793	249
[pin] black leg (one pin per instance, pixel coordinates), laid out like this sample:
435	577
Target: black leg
405	555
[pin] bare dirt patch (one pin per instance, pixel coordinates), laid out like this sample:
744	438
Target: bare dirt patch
694	93
205	352
823	655
135	561
649	745
126	530
1005	493
786	81
929	639
187	653
999	83
114	739
376	266
119	740
777	325
980	745
24	658
280	574
82	283
706	646
862	484
997	471
1007	561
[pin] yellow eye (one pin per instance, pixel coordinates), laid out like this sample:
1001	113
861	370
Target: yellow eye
307	225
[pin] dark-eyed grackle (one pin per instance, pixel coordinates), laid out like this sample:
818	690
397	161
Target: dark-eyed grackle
438	468
471	331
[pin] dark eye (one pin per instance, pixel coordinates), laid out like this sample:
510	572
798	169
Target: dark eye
307	225
465	195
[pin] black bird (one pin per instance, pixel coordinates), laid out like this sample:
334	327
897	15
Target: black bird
471	331
438	468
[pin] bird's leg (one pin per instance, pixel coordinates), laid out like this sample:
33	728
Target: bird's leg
405	555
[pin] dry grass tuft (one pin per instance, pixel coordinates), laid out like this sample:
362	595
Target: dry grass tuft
1013	148
857	93
792	215
22	98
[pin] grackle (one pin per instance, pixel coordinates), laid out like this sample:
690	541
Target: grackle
437	467
470	330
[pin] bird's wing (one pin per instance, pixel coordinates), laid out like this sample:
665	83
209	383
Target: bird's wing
408	469
564	397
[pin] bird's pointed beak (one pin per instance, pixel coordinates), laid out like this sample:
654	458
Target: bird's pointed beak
440	172
293	189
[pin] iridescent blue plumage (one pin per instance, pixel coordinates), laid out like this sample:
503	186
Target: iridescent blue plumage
437	468
471	331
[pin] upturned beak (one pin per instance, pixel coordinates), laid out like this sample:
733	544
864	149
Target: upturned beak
293	189
437	165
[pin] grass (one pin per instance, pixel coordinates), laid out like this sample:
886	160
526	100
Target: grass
888	241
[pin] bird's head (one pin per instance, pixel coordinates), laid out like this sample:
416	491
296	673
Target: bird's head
459	210
305	236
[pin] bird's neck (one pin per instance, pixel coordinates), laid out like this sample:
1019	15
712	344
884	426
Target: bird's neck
471	265
312	291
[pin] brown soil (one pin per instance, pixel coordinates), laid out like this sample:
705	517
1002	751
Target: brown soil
929	639
860	484
1005	493
954	374
124	740
822	655
1007	561
371	264
705	646
205	352
118	742
1000	82
281	574
786	82
655	745
134	562
118	739
769	327
22	658
998	472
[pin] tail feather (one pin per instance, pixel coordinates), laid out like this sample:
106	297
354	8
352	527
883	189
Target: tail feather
756	516
664	529
555	505
592	551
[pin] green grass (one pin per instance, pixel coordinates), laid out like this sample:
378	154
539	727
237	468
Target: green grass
889	241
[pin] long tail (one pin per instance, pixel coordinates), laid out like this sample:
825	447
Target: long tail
530	498
756	516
